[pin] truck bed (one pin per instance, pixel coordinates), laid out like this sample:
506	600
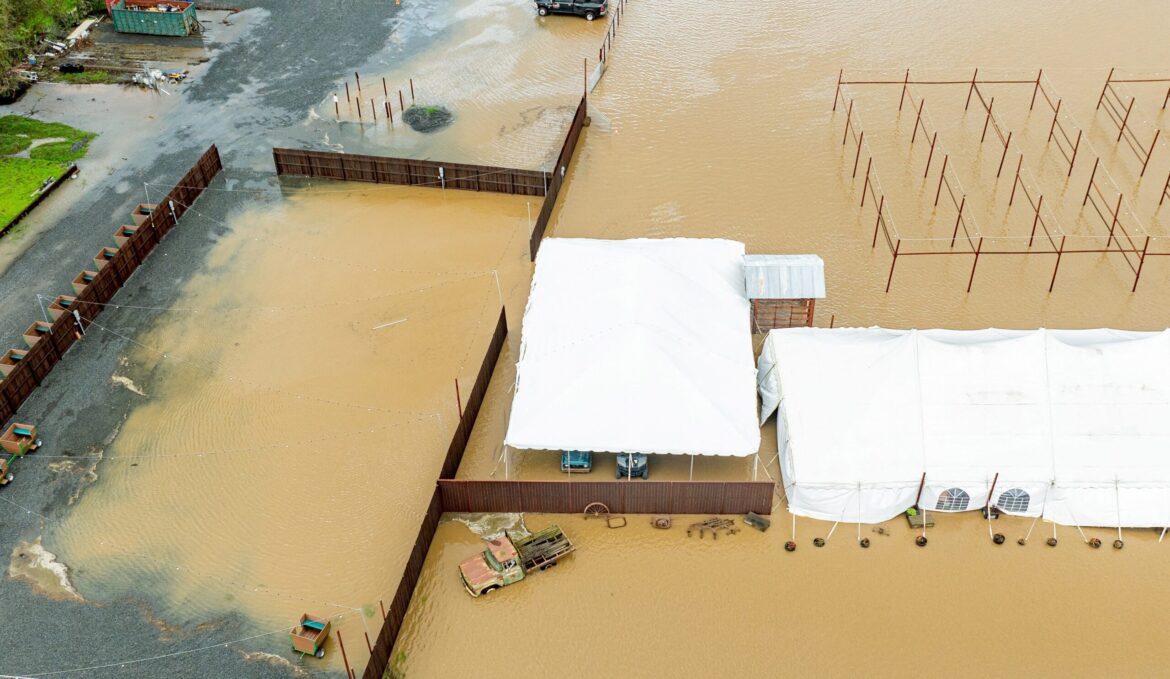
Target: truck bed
542	548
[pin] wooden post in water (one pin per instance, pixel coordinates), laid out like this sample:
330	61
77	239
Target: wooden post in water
357	79
1036	219
385	92
401	101
412	90
373	111
369	647
930	156
458	399
970	91
347	99
987	120
383	610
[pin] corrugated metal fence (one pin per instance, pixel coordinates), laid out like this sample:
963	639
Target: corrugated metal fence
42	356
441	174
562	167
409	172
396	614
623	497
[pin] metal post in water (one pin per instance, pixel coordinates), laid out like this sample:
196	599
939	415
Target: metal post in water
344	658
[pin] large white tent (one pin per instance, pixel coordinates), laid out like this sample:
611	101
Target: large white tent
637	346
1076	423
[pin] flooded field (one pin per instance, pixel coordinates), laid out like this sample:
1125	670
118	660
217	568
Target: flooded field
297	398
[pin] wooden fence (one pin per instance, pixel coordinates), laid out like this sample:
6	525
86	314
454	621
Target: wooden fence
68	328
623	497
65	174
558	178
409	172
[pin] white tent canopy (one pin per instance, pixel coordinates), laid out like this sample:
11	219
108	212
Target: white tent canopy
1076	423
636	346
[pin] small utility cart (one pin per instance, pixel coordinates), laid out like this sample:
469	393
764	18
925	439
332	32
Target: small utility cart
308	637
19	438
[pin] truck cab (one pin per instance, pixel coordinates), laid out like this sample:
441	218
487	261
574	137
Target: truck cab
589	10
493	568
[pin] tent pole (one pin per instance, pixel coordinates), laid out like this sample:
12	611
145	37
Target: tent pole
507	460
1162	536
987	505
859	511
692	477
755	466
1117	500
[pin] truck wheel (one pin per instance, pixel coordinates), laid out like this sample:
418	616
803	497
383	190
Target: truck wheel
542	11
489	590
589	16
548	566
320	653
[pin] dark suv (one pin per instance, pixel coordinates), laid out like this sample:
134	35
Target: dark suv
589	10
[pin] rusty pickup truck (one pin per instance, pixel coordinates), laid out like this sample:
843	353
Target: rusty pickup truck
507	560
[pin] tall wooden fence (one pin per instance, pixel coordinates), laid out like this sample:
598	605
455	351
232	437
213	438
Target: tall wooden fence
409	172
624	497
396	614
562	167
442	174
67	329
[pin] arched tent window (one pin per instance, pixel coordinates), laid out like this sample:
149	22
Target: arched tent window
953	500
1014	500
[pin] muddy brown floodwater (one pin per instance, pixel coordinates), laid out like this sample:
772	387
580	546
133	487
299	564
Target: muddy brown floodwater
288	439
293	402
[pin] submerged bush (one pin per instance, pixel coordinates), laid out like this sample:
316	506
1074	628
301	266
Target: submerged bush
427	118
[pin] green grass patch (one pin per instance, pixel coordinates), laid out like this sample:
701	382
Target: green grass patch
39	129
12	143
19	180
60	151
88	77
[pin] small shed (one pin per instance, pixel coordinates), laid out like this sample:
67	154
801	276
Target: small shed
154	17
783	289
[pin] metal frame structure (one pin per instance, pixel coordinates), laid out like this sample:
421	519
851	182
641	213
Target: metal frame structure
1125	233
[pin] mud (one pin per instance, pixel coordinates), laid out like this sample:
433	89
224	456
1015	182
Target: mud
39	567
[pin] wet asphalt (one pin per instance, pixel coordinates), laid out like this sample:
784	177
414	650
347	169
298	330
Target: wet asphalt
253	96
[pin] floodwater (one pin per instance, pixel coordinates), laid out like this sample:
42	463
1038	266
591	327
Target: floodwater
298	397
293	403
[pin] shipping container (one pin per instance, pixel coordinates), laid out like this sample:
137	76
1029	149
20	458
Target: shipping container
154	17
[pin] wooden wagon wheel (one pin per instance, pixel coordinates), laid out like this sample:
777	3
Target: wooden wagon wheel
596	510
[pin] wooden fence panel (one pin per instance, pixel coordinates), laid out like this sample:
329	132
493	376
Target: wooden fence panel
47	352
